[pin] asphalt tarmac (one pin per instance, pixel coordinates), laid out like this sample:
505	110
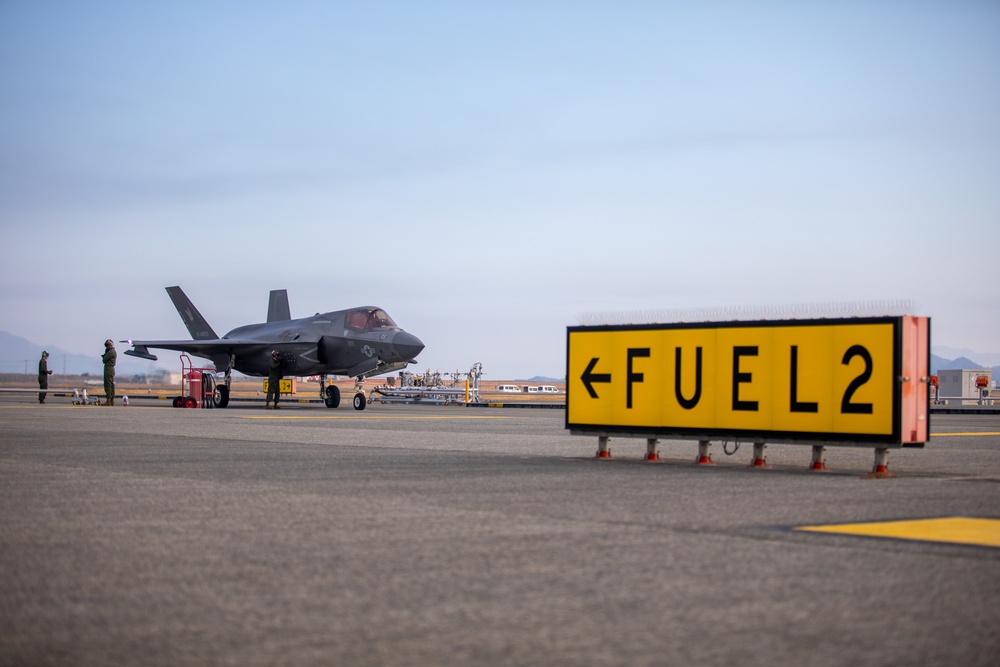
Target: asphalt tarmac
416	535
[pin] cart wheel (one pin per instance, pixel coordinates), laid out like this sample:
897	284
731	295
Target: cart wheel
360	402
208	393
332	396
177	401
189	402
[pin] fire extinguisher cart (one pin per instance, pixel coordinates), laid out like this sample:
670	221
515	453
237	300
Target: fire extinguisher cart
197	386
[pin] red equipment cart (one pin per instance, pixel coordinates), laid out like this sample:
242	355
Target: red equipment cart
197	386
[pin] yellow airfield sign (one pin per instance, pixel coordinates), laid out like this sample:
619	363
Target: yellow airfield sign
826	380
285	386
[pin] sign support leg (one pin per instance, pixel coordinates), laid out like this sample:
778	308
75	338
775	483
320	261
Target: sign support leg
758	456
653	450
881	469
817	458
704	457
603	449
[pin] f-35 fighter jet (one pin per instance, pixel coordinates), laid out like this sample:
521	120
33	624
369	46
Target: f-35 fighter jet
358	342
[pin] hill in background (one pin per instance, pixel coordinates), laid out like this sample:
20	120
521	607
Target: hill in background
18	355
962	363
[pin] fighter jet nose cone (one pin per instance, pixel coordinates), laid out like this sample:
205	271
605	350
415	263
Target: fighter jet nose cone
407	345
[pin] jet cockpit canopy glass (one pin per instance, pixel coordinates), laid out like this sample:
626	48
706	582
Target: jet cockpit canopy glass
366	319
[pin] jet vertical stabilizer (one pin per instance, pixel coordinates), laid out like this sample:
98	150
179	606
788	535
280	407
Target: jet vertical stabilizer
195	323
277	306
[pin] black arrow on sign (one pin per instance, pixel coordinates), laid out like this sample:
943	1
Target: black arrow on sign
589	378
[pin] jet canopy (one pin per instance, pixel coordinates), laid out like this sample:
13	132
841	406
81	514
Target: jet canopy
366	319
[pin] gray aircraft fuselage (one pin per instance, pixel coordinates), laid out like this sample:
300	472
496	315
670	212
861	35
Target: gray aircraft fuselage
326	344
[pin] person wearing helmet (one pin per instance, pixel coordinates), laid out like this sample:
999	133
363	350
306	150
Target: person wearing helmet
43	375
273	379
109	358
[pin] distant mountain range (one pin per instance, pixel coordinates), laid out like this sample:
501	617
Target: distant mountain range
982	359
18	355
962	363
950	358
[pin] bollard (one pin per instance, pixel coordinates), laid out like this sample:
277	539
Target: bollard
758	456
653	450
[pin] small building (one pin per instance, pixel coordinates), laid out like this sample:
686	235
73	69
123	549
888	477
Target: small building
972	384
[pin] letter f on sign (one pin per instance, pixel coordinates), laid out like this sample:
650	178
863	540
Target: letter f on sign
633	377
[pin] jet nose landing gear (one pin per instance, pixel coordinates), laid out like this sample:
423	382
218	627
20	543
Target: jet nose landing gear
360	400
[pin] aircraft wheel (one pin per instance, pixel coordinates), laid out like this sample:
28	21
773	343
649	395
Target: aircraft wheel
332	396
360	402
221	396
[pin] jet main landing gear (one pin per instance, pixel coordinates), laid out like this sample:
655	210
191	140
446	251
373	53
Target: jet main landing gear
331	396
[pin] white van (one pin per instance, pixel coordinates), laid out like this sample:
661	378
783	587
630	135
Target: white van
509	389
531	390
548	389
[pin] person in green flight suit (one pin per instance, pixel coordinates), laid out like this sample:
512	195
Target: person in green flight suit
109	358
43	375
273	379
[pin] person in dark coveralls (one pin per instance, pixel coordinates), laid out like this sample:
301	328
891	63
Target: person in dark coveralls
109	358
43	375
273	379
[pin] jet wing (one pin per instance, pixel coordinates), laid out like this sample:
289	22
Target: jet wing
220	348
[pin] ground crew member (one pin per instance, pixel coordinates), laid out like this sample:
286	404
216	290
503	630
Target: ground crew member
43	375
109	358
273	379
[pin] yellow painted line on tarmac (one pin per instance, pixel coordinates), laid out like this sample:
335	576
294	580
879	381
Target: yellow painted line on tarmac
372	417
50	406
964	434
953	530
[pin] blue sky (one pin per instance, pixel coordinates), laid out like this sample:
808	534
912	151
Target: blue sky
488	172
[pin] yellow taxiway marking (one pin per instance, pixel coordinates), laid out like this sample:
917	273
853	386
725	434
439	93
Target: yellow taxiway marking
966	433
953	529
373	417
51	406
